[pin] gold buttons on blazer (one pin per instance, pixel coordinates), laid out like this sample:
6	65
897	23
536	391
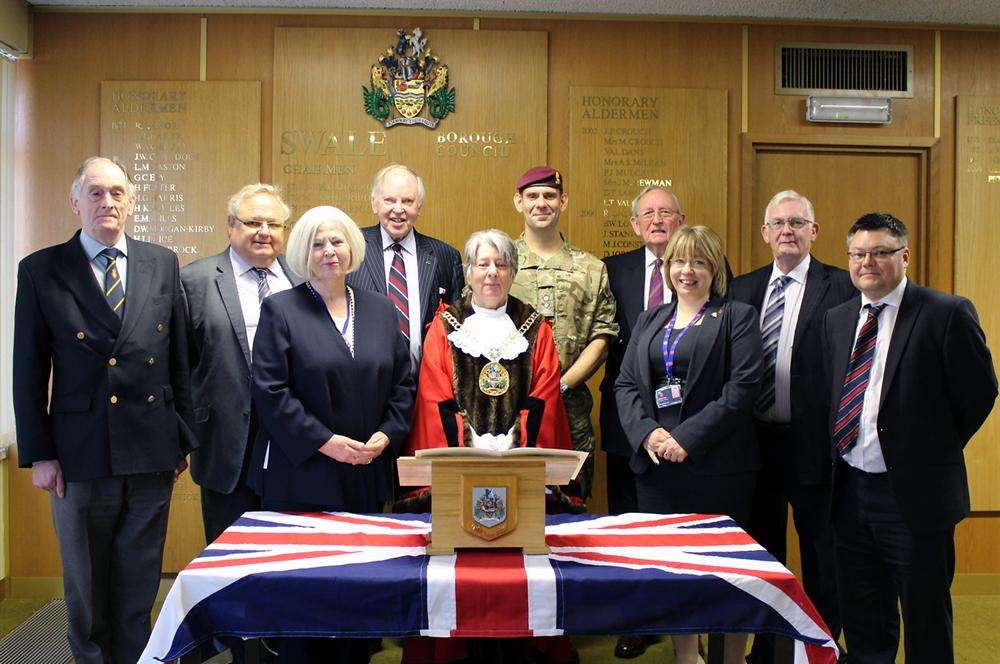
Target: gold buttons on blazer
81	336
159	327
150	399
112	361
113	399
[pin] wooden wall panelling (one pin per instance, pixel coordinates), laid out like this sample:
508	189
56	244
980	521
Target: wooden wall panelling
771	113
977	210
843	179
326	149
241	47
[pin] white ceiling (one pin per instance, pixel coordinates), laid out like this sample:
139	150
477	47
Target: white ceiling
921	12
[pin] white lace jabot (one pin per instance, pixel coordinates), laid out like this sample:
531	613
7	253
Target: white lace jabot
488	332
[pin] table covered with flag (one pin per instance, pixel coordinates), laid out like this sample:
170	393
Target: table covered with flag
354	575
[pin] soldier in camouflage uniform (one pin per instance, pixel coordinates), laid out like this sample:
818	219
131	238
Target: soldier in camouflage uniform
570	288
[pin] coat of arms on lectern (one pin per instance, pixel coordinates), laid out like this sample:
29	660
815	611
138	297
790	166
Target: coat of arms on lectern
490	508
406	78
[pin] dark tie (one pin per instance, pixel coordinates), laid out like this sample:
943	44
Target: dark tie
655	285
770	332
114	290
397	290
848	423
263	289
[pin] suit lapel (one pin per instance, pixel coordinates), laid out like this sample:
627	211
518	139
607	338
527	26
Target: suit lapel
710	326
138	280
426	269
374	260
78	277
909	309
817	284
760	282
845	324
635	278
225	281
655	327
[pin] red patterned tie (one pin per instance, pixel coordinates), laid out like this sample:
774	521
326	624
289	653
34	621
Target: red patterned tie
397	290
655	285
852	399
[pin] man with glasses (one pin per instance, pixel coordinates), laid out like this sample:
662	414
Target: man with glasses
792	294
223	294
912	380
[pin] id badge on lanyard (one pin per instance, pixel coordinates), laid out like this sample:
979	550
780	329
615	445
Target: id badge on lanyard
672	394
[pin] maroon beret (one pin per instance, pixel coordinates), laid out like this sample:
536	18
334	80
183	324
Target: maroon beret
544	176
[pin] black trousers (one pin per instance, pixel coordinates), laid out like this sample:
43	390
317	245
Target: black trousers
777	488
881	560
621	485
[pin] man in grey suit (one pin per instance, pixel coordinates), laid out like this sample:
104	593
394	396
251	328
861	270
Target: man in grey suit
100	390
223	295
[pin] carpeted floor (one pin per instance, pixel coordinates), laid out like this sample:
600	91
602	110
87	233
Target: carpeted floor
977	639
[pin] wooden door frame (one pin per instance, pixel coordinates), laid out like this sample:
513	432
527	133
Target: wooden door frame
921	147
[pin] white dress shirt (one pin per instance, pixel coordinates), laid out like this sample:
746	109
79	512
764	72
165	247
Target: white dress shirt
664	271
409	245
781	410
246	287
92	248
866	454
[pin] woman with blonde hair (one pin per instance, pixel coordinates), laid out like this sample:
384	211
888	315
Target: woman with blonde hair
686	393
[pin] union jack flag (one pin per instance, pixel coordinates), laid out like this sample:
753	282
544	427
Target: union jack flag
349	575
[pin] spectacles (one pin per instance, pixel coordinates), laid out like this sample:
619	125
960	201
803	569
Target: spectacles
662	213
256	225
877	254
795	223
695	263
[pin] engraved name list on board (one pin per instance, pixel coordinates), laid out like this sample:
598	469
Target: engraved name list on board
188	147
624	139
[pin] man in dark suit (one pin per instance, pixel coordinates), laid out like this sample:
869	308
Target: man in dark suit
103	316
912	380
417	272
791	295
223	294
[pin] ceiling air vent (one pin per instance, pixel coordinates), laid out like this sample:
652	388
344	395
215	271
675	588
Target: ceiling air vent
852	70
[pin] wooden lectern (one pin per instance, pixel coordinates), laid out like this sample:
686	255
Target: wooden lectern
484	498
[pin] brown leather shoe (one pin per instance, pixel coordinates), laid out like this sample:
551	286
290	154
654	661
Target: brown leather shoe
630	647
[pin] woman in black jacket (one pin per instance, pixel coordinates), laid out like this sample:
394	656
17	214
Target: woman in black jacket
685	396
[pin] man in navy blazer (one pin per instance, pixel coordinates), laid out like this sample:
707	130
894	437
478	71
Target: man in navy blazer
415	271
791	295
912	381
102	316
223	294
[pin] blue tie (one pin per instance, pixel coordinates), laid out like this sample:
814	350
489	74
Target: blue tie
770	332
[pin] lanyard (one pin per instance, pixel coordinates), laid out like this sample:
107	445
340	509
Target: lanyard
670	349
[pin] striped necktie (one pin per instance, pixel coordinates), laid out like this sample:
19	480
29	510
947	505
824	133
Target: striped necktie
397	290
263	288
114	290
848	422
770	332
655	285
